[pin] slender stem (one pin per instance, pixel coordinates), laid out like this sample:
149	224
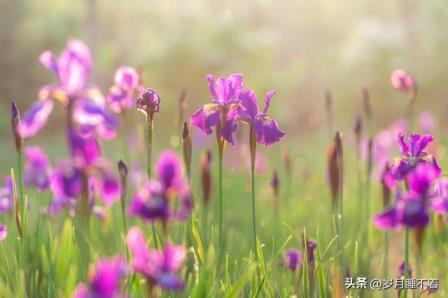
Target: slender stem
22	209
149	145
386	259
406	260
220	239
253	151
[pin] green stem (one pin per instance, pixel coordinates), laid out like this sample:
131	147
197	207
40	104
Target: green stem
386	259
254	221
406	260
220	239
22	209
149	167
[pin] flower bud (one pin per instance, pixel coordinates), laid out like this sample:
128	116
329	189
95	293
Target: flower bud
15	122
187	147
206	178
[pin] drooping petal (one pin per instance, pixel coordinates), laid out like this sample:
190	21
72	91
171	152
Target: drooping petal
267	131
229	128
88	113
387	220
66	180
248	105
137	246
421	178
35	118
414	213
205	118
37	168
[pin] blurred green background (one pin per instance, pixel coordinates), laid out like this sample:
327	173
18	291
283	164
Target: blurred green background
299	48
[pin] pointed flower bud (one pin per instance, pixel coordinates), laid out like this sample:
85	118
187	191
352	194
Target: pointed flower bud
287	162
206	178
335	167
15	123
187	147
275	183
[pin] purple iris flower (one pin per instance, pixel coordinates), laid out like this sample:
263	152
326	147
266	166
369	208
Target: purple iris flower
85	150
410	208
311	246
159	267
72	68
66	180
222	109
105	185
37	168
104	280
3	232
265	129
120	94
155	199
293	259
6	196
413	154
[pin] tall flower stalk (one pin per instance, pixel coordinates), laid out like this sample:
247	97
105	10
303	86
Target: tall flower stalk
221	114
149	104
262	130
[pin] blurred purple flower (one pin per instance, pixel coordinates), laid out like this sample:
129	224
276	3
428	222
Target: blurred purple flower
85	150
292	259
311	246
265	129
427	122
120	94
72	68
155	199
6	195
37	168
440	196
93	120
159	267
401	80
105	185
104	280
66	181
222	109
35	118
411	207
412	154
3	232
401	270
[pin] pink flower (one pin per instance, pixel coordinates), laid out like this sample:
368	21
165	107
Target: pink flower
402	81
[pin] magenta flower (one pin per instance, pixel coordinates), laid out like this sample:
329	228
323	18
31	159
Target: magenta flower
3	232
401	80
6	195
292	259
37	168
85	150
72	68
158	267
66	181
410	208
120	94
104	280
265	129
155	200
413	154
222	109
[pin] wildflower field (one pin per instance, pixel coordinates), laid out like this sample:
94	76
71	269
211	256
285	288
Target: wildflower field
134	182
